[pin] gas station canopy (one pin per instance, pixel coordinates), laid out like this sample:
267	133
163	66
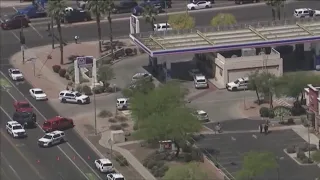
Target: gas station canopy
238	36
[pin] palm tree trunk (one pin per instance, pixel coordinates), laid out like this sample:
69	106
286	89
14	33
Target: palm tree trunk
111	34
273	14
99	31
279	12
152	25
257	93
60	40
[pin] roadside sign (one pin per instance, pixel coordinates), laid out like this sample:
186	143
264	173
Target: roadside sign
85	61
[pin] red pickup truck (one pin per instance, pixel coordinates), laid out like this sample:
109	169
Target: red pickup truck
22	106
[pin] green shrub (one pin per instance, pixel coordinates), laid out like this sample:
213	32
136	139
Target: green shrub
307	161
316	156
186	148
97	89
291	149
62	72
312	147
124	125
115	127
127	92
159	164
70	70
303	147
154	171
160	157
297	109
271	113
197	155
67	76
112	120
282	111
301	155
105	113
56	68
187	157
264	112
162	170
135	126
79	88
86	90
151	163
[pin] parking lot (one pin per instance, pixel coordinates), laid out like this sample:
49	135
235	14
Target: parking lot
229	149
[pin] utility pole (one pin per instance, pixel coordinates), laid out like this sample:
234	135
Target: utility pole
52	33
95	107
22	42
309	140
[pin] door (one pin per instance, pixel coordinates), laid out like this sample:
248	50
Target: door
201	5
54	125
56	138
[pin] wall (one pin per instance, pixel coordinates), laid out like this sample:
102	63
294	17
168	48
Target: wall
313	99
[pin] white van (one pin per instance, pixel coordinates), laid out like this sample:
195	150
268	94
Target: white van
162	27
123	103
239	84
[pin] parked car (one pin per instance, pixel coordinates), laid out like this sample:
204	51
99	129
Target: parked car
104	165
33	11
199	5
15	129
200	81
76	15
15	74
26	119
22	106
140	76
66	96
239	84
52	138
201	115
38	94
15	21
246	1
123	103
305	13
115	176
162	27
163	3
57	123
124	6
138	10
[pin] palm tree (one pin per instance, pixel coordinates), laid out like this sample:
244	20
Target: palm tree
276	6
98	9
149	14
56	10
108	7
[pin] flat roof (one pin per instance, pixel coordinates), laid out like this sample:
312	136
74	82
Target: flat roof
209	39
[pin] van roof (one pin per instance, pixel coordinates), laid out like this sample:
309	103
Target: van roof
303	9
200	77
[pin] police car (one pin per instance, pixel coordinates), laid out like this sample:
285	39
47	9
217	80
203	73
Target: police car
239	84
50	139
104	165
305	13
15	74
73	97
15	129
115	176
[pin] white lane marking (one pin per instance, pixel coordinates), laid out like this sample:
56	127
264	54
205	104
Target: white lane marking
44	131
15	36
36	30
14	8
12	169
233	139
254	136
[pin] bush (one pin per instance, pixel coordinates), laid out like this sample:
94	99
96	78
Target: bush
307	161
301	155
121	118
86	90
312	147
290	121
316	156
62	72
170	157
70	70
160	164
56	68
264	112
162	171
98	89
297	109
67	76
197	155
79	88
282	111
135	126
115	127
303	147
291	149
122	160
271	113
104	114
128	51
151	163
112	120
124	125
186	148
187	157
160	157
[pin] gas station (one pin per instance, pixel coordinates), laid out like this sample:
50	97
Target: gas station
255	41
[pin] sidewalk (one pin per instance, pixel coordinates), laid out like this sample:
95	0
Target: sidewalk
304	134
7	4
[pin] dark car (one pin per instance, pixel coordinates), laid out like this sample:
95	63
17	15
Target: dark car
33	11
15	21
245	1
163	3
76	15
124	6
57	123
138	10
28	119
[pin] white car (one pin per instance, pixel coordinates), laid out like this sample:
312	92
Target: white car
162	27
104	165
239	84
139	76
66	96
52	138
123	103
115	176
15	129
200	81
15	74
38	94
199	5
305	13
202	115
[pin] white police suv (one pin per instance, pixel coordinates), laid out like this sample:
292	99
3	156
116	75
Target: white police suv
73	97
15	129
52	138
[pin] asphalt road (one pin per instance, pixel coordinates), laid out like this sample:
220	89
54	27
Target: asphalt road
70	160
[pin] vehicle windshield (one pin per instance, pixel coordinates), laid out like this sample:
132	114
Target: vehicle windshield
119	178
24	105
47	137
38	92
107	165
203	114
16	72
237	81
78	94
201	81
25	115
17	127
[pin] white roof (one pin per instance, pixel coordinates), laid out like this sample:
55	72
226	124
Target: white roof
303	9
13	123
117	175
199	77
36	89
105	161
122	99
14	69
201	112
162	24
68	91
243	79
54	133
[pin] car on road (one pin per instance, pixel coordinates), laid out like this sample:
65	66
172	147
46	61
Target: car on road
115	176
51	139
27	119
104	165
15	74
75	15
66	96
15	21
57	123
162	27
33	11
123	103
199	5
200	81
22	106
239	84
246	1
201	115
163	3
38	94
140	76
15	129
138	10
124	6
306	13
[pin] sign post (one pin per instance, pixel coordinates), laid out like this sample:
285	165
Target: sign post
85	62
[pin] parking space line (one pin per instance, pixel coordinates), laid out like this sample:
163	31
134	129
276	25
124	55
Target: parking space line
14	8
15	36
36	30
12	169
254	136
233	138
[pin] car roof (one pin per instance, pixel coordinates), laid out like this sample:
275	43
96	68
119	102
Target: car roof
14	69
67	91
22	102
116	175
122	99
162	24
36	89
105	161
13	123
303	9
201	111
200	77
54	119
54	133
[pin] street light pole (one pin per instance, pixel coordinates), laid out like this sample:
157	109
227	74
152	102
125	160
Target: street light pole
95	107
52	35
309	140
